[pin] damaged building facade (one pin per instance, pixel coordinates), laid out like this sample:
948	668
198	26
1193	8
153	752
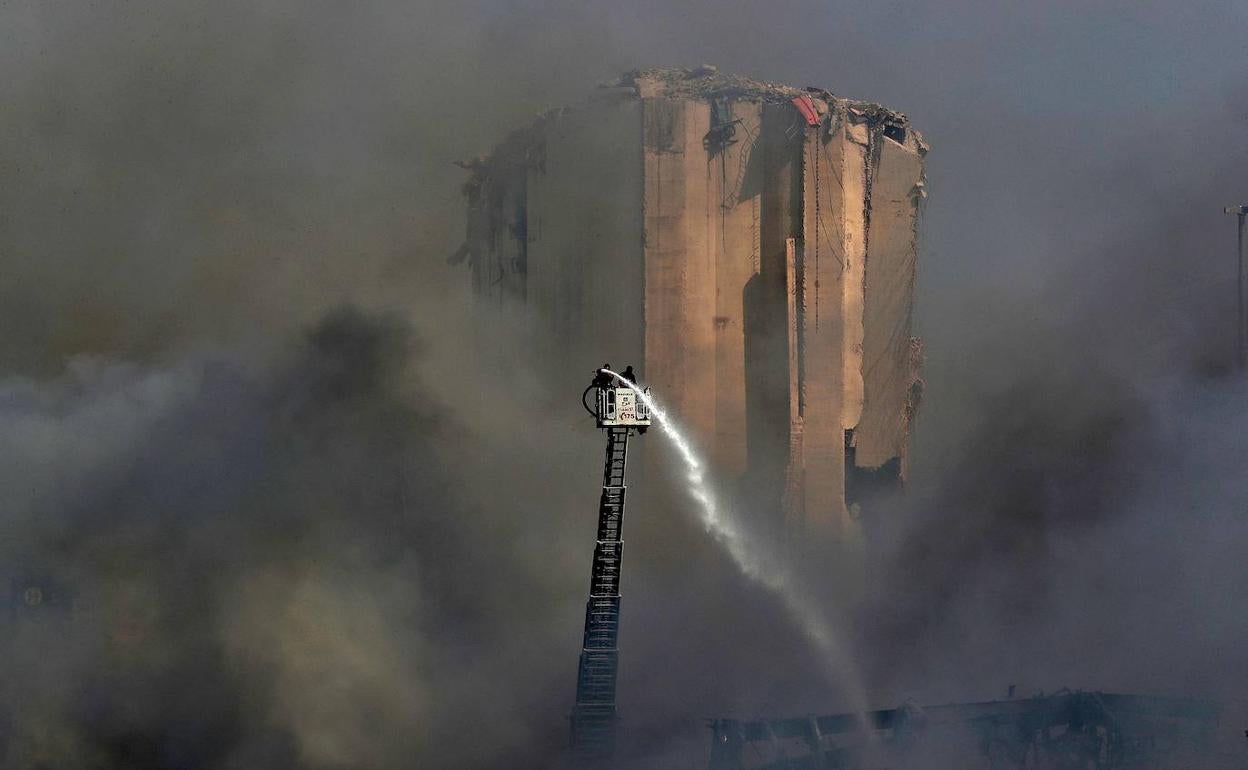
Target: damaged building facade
750	246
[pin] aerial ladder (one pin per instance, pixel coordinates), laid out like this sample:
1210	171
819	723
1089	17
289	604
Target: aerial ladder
617	409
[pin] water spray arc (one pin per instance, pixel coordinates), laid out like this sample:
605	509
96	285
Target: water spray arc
772	574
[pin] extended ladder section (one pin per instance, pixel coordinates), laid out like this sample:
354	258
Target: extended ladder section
593	718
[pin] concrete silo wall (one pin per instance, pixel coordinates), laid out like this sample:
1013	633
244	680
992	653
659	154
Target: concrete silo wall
751	248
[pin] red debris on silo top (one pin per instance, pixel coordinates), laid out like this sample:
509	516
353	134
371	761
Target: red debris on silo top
806	106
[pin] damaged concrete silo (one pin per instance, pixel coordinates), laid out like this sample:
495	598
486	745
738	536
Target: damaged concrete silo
750	245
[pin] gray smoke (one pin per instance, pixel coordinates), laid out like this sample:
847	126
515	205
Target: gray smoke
254	563
275	531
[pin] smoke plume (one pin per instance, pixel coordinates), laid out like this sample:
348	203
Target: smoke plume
287	501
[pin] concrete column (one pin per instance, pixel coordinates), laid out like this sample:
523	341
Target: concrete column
680	277
768	397
734	210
